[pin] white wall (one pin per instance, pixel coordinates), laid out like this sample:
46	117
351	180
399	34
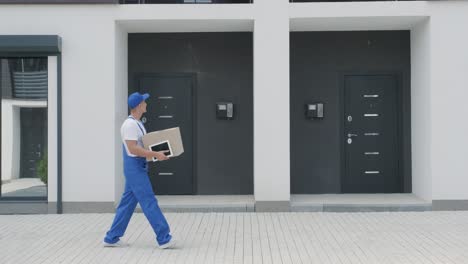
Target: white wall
95	82
88	79
88	89
271	101
421	111
120	105
449	106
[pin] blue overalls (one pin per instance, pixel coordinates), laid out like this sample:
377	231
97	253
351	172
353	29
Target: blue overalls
138	190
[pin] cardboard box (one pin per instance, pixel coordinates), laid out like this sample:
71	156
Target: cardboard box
167	139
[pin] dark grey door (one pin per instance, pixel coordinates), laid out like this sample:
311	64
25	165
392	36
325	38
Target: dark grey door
170	105
371	134
33	140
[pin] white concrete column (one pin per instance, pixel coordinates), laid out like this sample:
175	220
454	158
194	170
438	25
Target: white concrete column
120	106
421	110
271	105
449	108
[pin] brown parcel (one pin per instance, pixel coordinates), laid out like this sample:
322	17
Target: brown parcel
172	135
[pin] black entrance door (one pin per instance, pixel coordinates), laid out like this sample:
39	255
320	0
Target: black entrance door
170	105
33	140
371	134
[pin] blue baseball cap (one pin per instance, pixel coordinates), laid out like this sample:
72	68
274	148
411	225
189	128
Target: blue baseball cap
136	98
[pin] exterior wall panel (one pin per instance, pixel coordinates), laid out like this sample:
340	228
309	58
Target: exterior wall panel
93	70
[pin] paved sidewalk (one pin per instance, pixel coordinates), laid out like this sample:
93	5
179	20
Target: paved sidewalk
396	237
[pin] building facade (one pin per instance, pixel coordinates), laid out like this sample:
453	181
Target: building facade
274	99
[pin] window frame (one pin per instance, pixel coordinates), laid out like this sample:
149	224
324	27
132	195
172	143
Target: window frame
52	48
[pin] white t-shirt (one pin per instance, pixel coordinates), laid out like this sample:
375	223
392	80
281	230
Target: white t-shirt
132	130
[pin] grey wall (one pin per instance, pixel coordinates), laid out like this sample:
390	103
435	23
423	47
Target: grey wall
317	58
223	63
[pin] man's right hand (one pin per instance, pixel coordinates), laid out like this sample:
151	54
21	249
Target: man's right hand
160	155
141	152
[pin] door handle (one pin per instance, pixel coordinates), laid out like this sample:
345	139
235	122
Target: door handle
352	135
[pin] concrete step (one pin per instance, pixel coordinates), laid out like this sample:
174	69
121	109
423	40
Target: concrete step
299	203
358	203
206	203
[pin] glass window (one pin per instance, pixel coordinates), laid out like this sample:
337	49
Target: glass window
24	121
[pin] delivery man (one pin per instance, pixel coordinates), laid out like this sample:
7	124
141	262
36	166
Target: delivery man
137	184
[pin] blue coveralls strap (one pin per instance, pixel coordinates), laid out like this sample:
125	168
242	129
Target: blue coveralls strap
138	189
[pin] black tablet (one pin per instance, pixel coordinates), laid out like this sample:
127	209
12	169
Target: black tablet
162	146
